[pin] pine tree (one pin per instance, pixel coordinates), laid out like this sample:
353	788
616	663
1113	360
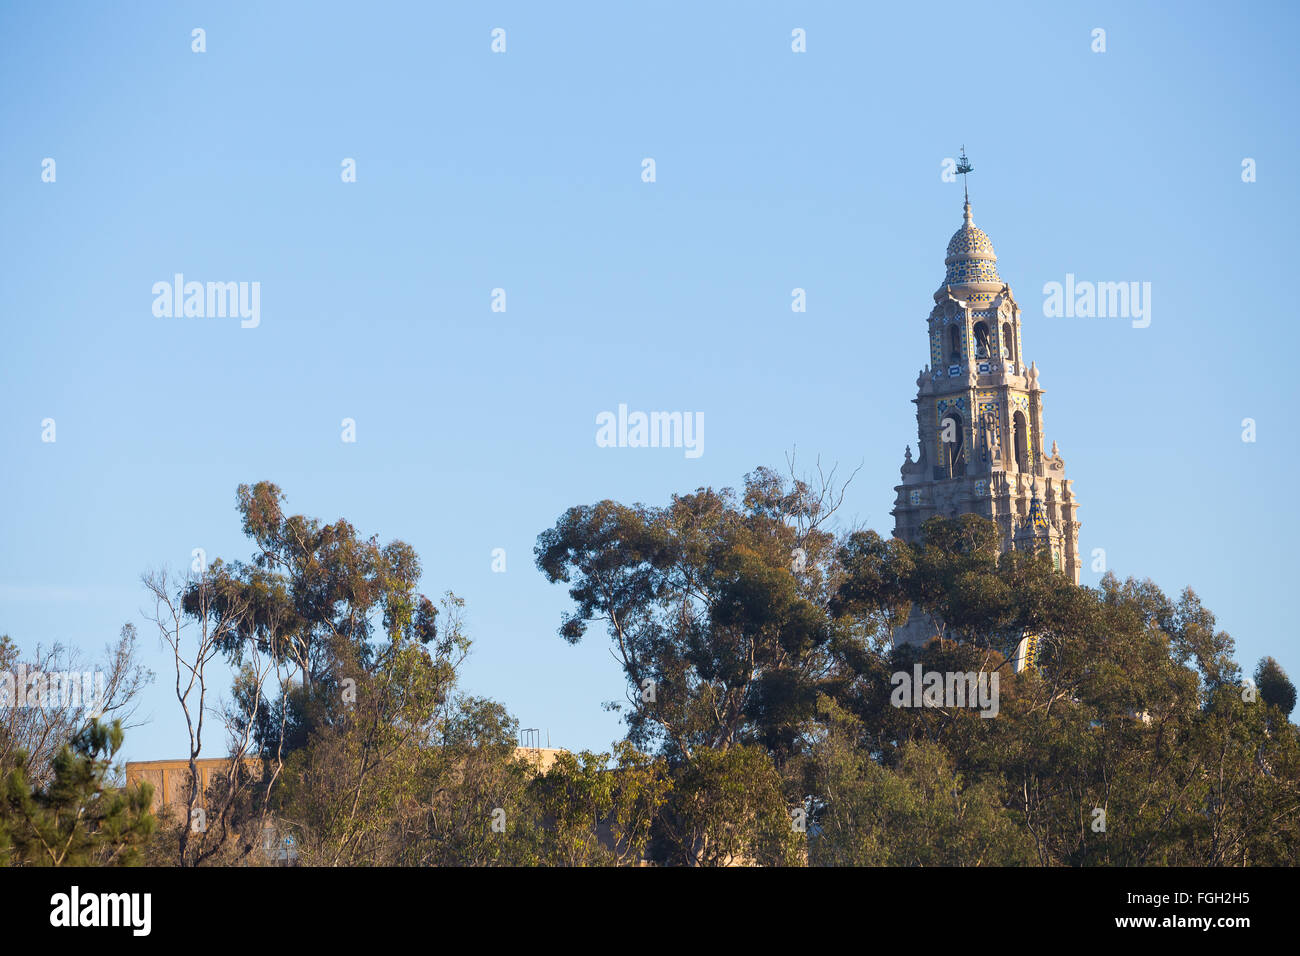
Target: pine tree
79	819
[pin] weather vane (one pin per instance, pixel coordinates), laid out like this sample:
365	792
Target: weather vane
964	167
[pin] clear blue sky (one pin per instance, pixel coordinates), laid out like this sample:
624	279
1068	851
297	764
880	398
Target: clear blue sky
477	170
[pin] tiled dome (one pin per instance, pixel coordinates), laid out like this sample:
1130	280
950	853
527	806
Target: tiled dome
970	240
970	255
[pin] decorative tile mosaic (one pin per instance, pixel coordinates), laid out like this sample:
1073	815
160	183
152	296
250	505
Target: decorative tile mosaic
943	404
971	258
1037	519
970	240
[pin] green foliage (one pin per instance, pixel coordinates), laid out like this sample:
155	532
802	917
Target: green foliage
373	753
922	812
317	595
758	660
78	819
727	808
1274	686
714	608
592	813
1132	743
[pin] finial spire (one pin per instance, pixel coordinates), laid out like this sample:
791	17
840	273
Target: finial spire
964	167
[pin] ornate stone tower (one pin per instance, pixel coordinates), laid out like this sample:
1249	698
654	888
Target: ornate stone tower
979	414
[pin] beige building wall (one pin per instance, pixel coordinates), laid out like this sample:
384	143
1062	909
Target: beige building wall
170	778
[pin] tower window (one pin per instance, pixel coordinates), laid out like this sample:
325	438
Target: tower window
954	344
1021	441
952	441
981	340
1007	352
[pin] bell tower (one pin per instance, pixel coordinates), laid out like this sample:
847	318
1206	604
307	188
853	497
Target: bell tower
979	415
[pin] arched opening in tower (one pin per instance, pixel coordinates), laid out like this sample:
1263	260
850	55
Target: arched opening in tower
1021	442
1006	341
954	449
981	340
954	344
